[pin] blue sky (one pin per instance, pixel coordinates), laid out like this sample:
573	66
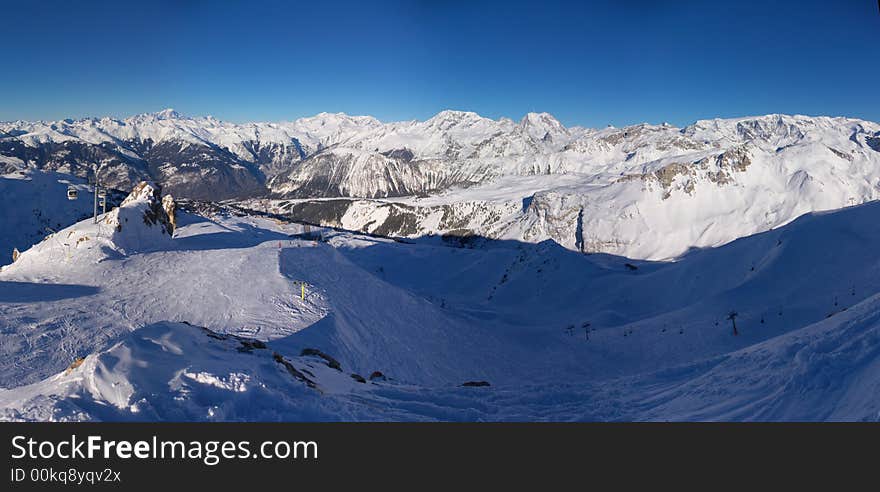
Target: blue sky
588	63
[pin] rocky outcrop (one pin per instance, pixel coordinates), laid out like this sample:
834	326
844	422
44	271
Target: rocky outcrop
293	371
170	208
140	222
330	361
718	169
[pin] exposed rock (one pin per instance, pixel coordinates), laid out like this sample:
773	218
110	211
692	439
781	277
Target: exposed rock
140	222
401	221
170	207
249	345
717	169
769	128
358	378
73	365
201	171
736	158
842	155
331	362
377	375
476	383
323	212
666	176
293	370
403	154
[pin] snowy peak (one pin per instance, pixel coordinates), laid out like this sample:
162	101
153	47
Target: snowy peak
449	119
542	126
168	114
340	117
337	120
164	117
455	115
776	129
326	129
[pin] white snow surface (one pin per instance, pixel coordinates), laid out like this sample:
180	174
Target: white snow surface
34	205
558	334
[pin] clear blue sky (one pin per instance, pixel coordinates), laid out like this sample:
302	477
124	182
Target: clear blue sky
588	63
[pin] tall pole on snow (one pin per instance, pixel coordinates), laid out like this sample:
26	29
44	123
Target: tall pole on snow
96	169
95	172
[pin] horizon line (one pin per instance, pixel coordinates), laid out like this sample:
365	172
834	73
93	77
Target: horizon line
185	116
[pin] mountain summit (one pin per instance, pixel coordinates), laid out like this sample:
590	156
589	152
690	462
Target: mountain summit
168	114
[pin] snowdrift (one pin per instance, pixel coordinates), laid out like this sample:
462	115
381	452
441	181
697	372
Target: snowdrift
181	372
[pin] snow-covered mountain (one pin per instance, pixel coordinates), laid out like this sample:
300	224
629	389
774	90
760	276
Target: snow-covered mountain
190	157
324	155
645	191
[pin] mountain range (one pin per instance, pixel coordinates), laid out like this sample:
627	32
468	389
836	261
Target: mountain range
643	191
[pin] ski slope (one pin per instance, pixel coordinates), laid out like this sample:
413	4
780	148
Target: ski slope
169	330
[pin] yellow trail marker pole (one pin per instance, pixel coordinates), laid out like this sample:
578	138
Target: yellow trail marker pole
303	294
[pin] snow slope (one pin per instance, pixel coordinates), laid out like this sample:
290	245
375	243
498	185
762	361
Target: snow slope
827	371
176	371
559	335
80	289
34	204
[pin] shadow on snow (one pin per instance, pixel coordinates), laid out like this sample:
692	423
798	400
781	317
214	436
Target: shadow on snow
32	292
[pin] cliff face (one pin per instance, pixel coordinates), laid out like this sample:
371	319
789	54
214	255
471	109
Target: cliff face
170	208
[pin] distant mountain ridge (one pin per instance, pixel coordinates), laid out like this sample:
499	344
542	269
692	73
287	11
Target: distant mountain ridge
626	189
337	155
